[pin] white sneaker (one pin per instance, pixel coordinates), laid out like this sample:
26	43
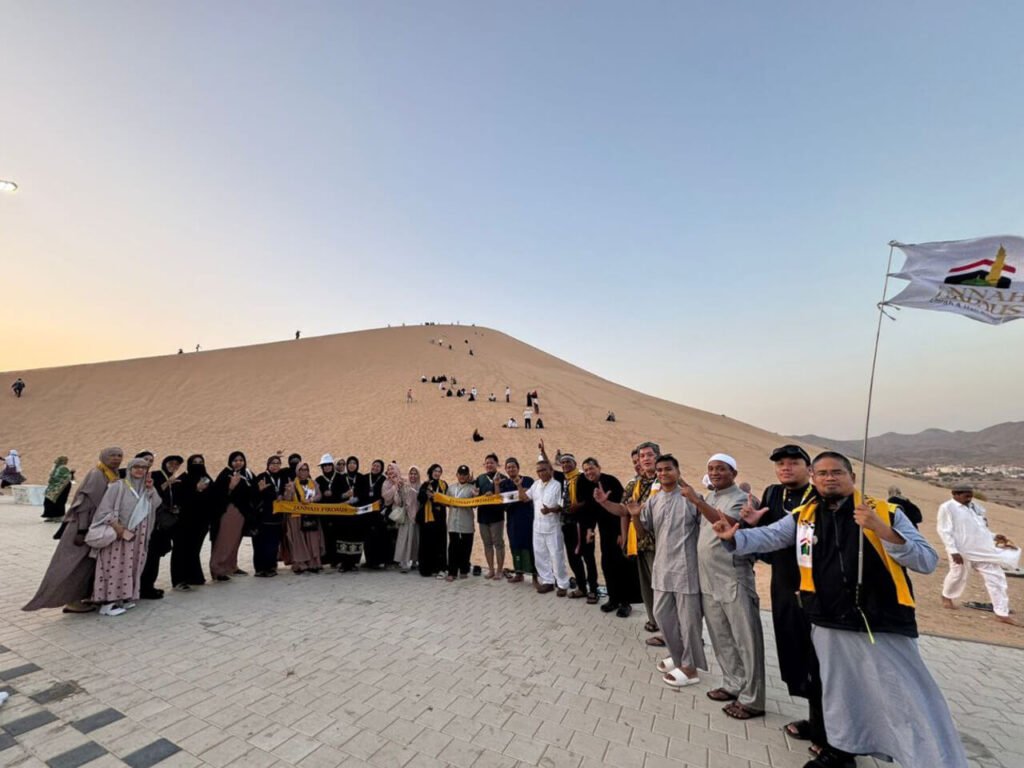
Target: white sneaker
111	609
3	696
127	605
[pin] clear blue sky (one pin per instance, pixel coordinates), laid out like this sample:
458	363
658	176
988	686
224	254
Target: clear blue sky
692	199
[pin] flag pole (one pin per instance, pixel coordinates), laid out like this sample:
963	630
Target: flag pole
867	422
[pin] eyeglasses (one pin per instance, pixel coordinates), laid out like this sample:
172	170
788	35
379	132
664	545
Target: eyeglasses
830	473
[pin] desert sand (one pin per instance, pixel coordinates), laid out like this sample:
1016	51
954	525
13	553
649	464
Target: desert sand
346	394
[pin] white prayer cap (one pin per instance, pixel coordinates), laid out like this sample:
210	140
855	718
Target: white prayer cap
725	459
326	459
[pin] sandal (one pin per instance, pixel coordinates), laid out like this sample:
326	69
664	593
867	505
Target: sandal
676	678
576	594
739	711
720	694
592	598
666	665
650	626
798	729
656	641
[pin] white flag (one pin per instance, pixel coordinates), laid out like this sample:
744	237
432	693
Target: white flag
982	279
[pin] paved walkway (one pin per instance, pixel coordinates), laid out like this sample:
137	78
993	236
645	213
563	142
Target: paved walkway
388	670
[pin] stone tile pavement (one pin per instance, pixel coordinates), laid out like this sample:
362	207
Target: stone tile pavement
392	670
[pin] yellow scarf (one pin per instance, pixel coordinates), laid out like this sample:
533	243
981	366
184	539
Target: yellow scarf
108	473
631	540
805	546
570	483
428	508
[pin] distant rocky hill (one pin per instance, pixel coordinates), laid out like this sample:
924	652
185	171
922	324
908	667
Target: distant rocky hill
999	444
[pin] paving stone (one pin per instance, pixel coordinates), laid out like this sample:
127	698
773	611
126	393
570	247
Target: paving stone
151	754
73	758
13	673
56	692
29	723
6	741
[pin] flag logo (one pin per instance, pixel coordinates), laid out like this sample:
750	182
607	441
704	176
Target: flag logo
976	273
974	278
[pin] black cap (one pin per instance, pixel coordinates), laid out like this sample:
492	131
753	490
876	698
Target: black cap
463	469
790	452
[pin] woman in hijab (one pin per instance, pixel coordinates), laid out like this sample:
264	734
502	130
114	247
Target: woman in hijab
167	483
271	485
432	522
195	497
400	497
119	538
11	474
236	495
69	577
303	545
58	487
350	530
379	552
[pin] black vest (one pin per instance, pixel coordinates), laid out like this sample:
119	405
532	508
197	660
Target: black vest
833	603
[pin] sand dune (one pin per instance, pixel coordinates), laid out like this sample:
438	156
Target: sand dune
345	394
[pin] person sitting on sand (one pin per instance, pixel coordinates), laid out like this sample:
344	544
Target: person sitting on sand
477	437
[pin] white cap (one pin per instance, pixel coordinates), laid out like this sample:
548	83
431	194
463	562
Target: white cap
725	459
326	459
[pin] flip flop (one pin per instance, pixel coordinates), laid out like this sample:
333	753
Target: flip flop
650	626
798	729
720	694
657	642
666	665
739	711
676	678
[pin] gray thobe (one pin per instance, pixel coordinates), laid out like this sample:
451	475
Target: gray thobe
731	606
878	699
675	524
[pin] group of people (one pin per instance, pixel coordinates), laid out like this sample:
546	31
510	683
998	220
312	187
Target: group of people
846	643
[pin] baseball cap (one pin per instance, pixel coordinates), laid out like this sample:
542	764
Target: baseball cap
790	452
463	469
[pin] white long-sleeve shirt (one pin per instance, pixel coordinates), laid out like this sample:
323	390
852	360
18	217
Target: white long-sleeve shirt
964	531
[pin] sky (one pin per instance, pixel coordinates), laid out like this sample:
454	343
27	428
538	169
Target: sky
693	199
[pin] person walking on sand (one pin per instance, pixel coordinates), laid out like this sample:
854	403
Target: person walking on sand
964	531
68	579
528	419
508	394
18	387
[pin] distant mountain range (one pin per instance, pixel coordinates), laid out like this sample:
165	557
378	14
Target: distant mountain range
999	444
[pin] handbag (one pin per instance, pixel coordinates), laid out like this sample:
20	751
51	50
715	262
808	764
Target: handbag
398	516
167	517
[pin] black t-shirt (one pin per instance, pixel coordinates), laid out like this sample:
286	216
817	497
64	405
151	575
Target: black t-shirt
592	511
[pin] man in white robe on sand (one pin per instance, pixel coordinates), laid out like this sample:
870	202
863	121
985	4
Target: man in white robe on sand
964	531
